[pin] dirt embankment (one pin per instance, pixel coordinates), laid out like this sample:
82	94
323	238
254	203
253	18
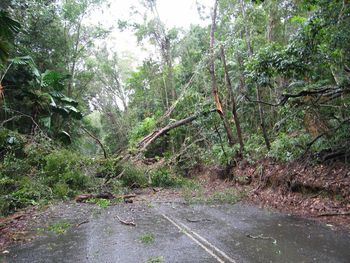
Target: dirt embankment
319	191
315	191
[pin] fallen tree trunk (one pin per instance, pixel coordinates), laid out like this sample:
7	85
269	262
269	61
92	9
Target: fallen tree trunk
150	138
105	195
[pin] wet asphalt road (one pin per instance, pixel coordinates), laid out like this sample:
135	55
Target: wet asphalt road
182	233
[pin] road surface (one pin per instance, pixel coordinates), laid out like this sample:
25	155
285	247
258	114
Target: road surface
181	233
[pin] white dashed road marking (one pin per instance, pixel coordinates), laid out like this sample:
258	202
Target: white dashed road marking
208	247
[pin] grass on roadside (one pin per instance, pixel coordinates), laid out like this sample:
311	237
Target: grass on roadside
59	227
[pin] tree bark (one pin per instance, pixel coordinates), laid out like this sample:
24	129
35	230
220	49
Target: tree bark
213	79
233	102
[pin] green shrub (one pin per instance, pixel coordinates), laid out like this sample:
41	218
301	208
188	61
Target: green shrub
134	176
103	203
5	205
61	190
162	178
222	154
40	175
287	148
65	167
60	227
144	128
75	180
7	185
11	142
36	151
14	167
28	192
59	162
255	148
109	167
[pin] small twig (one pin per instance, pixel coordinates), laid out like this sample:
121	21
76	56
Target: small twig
262	237
10	119
128	223
335	214
197	220
114	177
81	223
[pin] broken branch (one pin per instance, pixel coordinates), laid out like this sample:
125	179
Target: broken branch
335	214
97	140
128	223
146	141
261	236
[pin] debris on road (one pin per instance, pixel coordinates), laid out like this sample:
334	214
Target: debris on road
128	223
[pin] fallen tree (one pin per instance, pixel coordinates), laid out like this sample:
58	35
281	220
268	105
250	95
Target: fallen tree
105	195
150	138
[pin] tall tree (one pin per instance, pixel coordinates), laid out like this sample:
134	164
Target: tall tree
214	84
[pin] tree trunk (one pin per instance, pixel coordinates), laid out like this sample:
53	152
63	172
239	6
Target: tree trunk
170	73
233	102
75	54
213	79
262	119
258	91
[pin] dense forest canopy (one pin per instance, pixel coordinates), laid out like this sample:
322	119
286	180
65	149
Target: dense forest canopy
256	79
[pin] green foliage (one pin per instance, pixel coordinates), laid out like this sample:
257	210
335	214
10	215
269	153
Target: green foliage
9	28
103	203
61	190
162	178
60	227
255	148
193	193
11	142
37	150
222	154
40	172
144	128
64	166
134	176
109	167
287	148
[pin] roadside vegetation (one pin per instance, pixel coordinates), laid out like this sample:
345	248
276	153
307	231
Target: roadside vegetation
263	87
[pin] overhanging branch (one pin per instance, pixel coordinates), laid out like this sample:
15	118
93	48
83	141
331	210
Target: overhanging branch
329	92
